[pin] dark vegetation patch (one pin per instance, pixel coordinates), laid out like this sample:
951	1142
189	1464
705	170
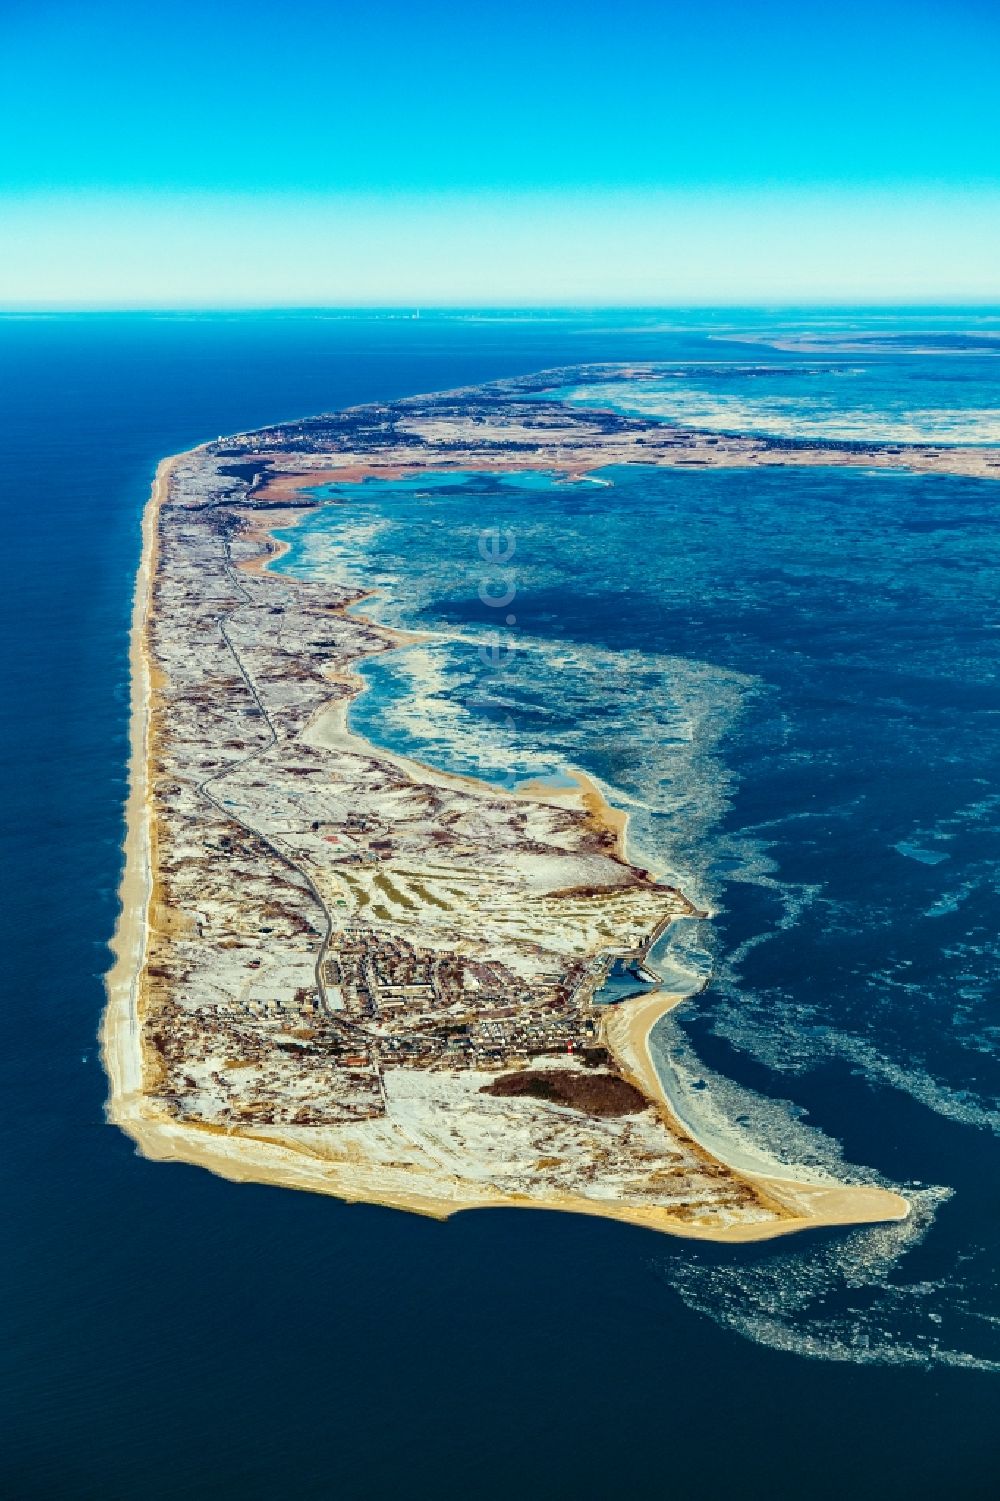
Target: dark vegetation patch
248	472
596	1094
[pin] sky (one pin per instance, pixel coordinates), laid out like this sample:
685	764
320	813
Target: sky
436	153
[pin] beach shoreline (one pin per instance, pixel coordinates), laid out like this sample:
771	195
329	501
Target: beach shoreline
628	1032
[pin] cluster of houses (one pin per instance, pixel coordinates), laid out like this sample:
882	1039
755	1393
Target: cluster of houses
429	1008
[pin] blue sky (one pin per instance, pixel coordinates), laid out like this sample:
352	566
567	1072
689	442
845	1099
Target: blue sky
621	152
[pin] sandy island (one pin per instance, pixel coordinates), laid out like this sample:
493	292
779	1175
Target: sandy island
786	1205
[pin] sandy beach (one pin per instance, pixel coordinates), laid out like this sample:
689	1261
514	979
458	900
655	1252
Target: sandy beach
628	1029
121	1043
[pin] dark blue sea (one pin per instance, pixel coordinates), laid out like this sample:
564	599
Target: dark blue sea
790	679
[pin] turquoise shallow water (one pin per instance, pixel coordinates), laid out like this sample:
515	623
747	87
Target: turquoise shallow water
821	678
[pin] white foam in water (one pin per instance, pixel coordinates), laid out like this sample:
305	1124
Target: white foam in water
681	956
844	1298
431	716
788	1041
747	1130
791	1035
672	781
343	549
800	417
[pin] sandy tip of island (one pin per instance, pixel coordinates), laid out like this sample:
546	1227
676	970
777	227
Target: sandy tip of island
802	1204
242	1158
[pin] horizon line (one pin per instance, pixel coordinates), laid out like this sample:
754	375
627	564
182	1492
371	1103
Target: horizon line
413	309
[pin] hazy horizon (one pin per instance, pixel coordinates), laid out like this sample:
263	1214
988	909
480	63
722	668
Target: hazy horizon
212	155
547	311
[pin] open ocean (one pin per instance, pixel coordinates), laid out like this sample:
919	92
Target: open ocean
790	678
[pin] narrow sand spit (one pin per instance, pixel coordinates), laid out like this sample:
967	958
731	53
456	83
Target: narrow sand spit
627	1031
